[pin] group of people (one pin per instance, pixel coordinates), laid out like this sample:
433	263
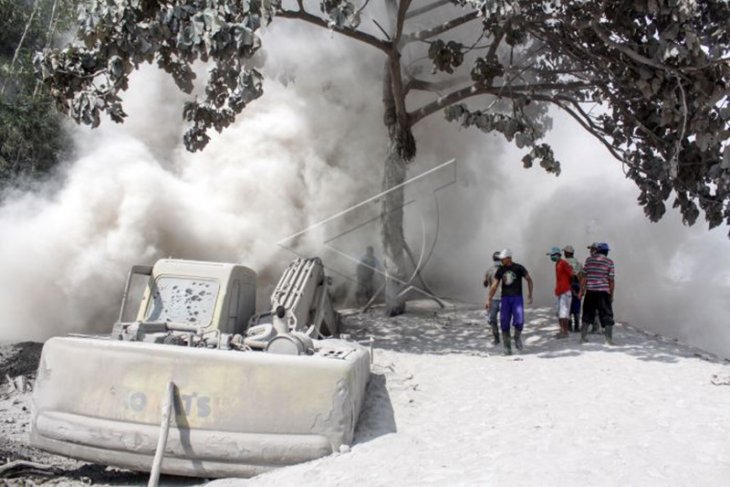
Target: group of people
589	286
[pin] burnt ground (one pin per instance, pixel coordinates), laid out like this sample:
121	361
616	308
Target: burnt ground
23	465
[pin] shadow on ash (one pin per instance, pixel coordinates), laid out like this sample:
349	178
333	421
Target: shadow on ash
197	383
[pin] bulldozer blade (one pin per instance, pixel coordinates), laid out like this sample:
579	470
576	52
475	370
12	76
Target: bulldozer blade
234	413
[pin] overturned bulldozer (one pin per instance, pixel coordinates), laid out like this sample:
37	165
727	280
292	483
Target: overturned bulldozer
199	384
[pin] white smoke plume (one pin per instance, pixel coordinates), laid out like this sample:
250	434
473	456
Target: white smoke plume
312	146
135	194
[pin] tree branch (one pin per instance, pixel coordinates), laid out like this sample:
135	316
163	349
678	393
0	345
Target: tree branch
348	32
475	90
674	165
387	36
584	120
19	47
49	38
440	29
434	86
559	44
588	126
618	104
594	131
395	90
495	44
400	19
427	8
357	14
603	35
585	57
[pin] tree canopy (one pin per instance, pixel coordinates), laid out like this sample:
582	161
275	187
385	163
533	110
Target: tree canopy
648	78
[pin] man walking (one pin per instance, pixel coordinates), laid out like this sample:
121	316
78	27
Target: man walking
563	275
494	306
569	253
512	311
597	285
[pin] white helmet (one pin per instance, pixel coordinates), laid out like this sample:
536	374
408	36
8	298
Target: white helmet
505	253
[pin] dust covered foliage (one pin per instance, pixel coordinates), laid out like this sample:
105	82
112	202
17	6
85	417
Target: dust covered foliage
647	78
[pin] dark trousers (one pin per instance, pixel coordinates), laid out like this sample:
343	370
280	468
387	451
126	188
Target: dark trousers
365	291
598	302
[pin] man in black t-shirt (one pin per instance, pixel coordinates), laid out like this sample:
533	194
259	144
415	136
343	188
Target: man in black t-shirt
512	311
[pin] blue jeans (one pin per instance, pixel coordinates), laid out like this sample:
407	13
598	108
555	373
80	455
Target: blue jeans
513	310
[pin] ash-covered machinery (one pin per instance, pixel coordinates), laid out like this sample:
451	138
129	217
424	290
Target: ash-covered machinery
199	384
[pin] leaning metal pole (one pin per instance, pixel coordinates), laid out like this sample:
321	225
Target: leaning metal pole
162	439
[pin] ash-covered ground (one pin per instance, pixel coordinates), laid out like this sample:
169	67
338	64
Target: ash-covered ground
445	407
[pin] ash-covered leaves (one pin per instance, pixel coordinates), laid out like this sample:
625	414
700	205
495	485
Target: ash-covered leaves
115	37
229	90
446	55
649	78
524	127
487	68
340	13
667	86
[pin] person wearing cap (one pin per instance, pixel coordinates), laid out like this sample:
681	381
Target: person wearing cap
569	253
563	276
495	301
597	285
512	311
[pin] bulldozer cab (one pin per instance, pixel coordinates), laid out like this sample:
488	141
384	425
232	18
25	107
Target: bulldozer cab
197	295
182	299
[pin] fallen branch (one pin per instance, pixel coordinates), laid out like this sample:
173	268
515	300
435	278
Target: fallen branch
24	467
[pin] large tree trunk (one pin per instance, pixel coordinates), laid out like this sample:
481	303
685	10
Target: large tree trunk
401	150
392	228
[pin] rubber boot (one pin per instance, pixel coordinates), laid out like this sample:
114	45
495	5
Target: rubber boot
594	328
518	339
608	332
584	332
495	334
507	342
